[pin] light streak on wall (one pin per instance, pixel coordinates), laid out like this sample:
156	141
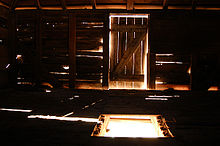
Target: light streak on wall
118	46
189	70
156	99
15	110
145	68
168	62
7	66
141	59
59	73
164	96
101	40
126	41
48	91
66	67
24	83
213	88
161	55
63	118
90	56
133	63
159	83
66	115
18	56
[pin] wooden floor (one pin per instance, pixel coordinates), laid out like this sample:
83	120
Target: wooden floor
192	116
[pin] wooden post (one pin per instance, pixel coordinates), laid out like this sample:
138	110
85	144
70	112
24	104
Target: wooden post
37	62
106	53
63	4
152	61
13	4
72	50
151	58
193	74
38	4
12	48
165	5
130	4
94	4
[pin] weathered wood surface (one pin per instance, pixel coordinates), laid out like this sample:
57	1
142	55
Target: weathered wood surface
128	47
90	49
132	48
72	50
4	13
105	83
186	32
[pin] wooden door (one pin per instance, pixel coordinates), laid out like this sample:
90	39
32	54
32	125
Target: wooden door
128	51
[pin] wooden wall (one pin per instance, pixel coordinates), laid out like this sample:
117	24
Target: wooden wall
4	54
43	39
185	31
54	48
190	36
25	51
90	33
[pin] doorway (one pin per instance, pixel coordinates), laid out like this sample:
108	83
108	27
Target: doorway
128	51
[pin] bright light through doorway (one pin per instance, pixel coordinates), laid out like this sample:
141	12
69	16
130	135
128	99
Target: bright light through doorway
128	54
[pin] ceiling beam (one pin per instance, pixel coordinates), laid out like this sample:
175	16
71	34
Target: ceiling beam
38	4
13	4
63	4
94	4
111	7
25	8
208	8
130	4
150	7
51	8
79	7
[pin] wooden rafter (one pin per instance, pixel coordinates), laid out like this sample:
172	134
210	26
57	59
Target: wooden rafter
94	4
130	4
105	82
38	4
194	2
3	4
63	4
132	48
13	4
106	4
165	4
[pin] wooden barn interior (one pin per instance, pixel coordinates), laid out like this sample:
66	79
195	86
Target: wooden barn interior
104	72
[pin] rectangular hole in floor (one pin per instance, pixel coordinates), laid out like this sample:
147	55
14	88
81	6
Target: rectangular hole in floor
145	126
